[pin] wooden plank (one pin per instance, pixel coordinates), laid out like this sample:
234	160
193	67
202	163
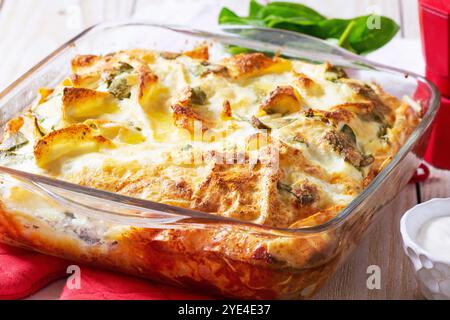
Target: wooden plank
381	247
437	185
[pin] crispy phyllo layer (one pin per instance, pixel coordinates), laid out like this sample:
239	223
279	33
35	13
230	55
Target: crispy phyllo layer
248	65
81	103
200	52
74	139
284	99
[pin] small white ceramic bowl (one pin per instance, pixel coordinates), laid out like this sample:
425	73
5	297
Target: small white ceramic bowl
433	274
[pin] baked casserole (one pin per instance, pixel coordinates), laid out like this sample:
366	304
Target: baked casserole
257	138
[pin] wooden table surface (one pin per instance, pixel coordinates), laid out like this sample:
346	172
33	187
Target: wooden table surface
22	44
382	246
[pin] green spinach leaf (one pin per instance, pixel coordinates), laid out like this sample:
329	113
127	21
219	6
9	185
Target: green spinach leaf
294	10
365	38
361	35
254	10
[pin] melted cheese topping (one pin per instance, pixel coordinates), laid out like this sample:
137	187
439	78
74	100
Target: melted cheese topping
268	140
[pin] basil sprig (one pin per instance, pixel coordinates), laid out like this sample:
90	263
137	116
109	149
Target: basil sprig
360	35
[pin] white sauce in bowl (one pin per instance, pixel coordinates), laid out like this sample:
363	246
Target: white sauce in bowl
434	237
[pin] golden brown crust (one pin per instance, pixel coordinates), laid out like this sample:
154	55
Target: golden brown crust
80	95
14	125
147	87
84	80
284	99
185	117
82	61
146	80
83	103
67	140
227	187
44	93
226	110
201	53
247	65
308	85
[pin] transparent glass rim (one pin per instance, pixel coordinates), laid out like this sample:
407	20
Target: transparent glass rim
200	217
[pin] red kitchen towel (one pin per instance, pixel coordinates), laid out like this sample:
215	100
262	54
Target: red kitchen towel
24	272
102	285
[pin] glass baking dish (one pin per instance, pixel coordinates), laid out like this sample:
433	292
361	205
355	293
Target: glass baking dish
181	246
